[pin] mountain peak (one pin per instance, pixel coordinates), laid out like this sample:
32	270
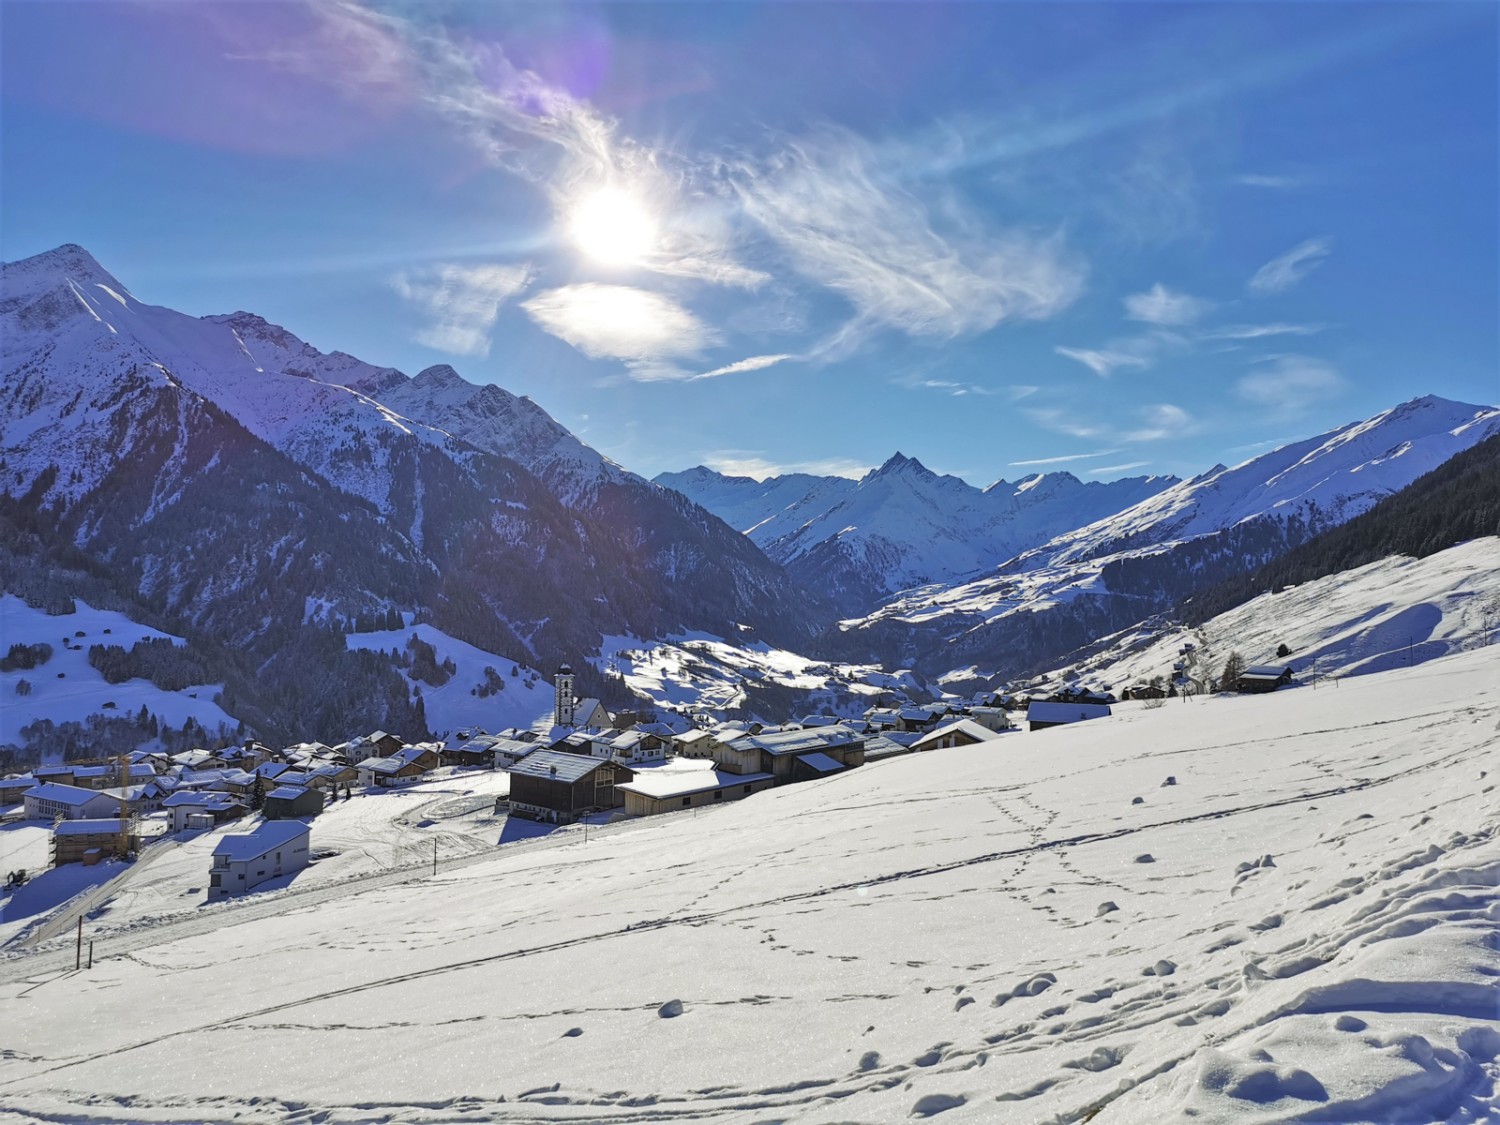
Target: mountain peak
68	262
899	464
440	375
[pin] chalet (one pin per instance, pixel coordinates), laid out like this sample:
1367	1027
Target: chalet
991	718
1041	715
1263	677
633	747
202	809
920	719
89	841
508	751
49	801
290	802
557	787
477	751
684	784
376	744
793	755
694	744
198	760
11	788
405	766
962	732
242	862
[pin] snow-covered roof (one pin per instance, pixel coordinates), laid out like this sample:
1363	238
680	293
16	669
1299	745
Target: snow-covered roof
1065	712
777	743
959	726
267	837
683	778
821	762
100	827
1265	672
201	798
556	765
63	794
287	792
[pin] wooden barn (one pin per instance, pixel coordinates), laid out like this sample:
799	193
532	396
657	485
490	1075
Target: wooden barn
557	787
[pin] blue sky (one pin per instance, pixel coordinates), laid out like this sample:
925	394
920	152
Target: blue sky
1002	238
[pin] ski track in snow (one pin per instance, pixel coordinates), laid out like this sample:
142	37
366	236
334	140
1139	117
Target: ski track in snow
1312	940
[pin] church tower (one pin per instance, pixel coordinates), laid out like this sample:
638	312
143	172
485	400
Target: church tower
562	709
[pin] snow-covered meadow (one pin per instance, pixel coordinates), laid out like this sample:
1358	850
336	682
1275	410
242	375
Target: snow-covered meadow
67	687
1248	909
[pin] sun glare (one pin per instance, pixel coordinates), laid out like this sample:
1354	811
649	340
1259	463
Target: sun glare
613	227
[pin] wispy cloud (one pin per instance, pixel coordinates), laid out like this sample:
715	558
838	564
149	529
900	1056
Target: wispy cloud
1256	331
753	363
1280	274
947	386
1065	458
461	302
1105	362
741	463
1289	384
1160	305
831	206
1282	183
1125	468
646	330
1158	422
1136	352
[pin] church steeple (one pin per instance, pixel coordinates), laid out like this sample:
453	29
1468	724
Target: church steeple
562	709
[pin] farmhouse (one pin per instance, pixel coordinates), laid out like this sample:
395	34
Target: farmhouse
289	802
1040	716
274	849
407	764
1263	677
793	755
687	784
963	732
558	787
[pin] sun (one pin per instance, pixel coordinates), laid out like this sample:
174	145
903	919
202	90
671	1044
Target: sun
612	227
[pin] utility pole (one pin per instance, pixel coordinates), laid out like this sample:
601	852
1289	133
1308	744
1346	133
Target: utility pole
434	857
78	953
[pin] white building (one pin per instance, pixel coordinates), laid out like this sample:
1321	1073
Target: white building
50	801
275	848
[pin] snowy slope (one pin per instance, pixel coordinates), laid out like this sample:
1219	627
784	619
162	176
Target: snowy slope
747	504
454	706
1299	929
1382	617
67	688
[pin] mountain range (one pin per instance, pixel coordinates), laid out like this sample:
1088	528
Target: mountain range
222	480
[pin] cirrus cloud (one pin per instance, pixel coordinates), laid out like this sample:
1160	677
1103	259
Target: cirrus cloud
461	302
646	330
1281	273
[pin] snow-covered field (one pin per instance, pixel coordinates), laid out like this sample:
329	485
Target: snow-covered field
67	687
703	674
1035	929
525	698
1387	615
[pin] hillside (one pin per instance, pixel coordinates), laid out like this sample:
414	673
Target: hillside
1297	929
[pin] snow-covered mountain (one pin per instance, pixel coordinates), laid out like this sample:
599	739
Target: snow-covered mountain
1105	576
232	477
902	525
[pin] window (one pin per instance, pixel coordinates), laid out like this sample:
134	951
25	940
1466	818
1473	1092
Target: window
718	794
686	801
746	789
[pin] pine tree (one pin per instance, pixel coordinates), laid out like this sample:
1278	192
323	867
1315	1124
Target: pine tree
258	793
1234	668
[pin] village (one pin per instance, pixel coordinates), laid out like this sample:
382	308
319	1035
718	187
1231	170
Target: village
251	811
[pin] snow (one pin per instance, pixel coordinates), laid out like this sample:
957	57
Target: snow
82	691
928	935
702	674
1384	616
453	706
